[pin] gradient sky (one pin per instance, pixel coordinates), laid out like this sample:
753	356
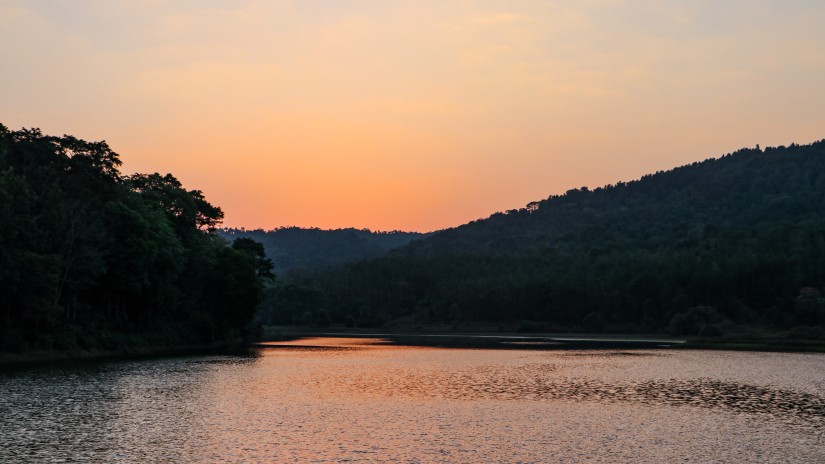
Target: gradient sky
413	115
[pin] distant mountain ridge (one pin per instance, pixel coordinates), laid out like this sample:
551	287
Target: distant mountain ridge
293	248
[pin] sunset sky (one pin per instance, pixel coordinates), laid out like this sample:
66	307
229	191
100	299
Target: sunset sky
414	115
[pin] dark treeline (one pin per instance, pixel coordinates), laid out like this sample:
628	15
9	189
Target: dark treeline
693	250
295	248
90	258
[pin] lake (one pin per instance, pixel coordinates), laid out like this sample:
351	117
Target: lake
364	400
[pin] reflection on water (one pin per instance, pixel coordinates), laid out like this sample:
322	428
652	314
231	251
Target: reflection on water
537	382
360	400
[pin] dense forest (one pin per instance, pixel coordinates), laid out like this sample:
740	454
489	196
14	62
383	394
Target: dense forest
296	248
90	258
694	250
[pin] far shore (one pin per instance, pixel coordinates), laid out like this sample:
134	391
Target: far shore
442	337
486	338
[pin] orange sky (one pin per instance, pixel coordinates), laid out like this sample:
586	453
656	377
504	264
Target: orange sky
411	115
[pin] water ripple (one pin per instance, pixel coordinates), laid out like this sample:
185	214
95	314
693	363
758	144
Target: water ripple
327	400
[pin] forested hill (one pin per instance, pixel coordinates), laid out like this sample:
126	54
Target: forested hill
299	248
747	188
694	249
91	258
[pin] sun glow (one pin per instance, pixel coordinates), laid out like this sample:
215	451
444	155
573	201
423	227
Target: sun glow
410	115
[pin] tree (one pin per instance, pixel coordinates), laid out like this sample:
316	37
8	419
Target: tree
91	258
256	251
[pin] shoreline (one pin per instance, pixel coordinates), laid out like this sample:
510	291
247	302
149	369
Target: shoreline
55	357
432	338
549	341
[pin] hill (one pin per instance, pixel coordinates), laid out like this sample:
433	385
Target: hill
293	248
695	249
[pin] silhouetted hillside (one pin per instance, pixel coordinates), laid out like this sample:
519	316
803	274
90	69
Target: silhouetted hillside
744	189
689	250
297	248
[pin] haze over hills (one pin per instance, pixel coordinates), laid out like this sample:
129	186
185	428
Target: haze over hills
694	249
293	248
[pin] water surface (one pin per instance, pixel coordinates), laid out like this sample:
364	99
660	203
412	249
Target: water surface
362	400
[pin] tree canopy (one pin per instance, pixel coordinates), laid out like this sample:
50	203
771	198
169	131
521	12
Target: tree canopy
92	258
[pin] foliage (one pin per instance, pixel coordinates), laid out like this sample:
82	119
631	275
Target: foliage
255	250
92	258
287	304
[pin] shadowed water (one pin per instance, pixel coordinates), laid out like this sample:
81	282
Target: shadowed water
361	400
